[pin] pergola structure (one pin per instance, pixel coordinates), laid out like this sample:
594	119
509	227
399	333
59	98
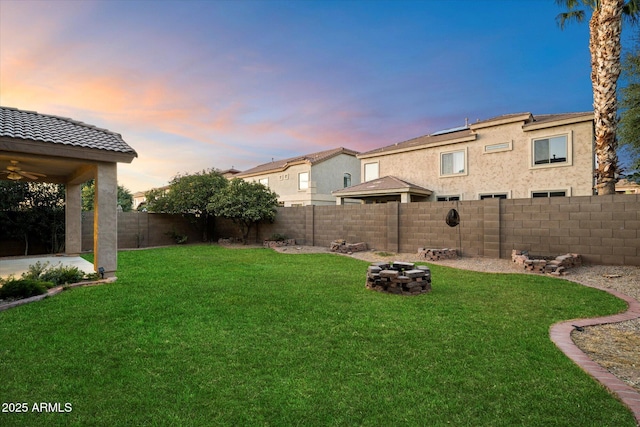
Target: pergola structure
46	148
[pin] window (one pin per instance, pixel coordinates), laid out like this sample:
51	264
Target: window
303	180
452	163
549	151
493	196
264	181
448	198
560	193
347	180
370	171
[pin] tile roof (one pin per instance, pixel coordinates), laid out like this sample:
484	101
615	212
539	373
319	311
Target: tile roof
384	184
423	140
33	126
280	165
465	132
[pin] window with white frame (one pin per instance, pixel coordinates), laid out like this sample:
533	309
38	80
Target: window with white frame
346	180
264	181
303	180
452	163
552	193
371	171
493	196
551	151
447	198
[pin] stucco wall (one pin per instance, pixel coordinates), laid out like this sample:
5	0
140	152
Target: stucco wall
508	171
324	177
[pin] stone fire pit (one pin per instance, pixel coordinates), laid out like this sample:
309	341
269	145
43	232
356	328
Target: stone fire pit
401	278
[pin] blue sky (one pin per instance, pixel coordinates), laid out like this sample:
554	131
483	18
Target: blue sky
219	84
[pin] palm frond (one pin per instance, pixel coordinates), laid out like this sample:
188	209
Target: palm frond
631	11
565	17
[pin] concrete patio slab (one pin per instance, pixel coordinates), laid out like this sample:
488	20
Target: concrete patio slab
18	265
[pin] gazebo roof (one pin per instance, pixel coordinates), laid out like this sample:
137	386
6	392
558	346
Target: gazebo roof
33	126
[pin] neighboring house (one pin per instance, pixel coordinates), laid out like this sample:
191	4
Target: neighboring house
627	187
510	156
308	179
139	198
229	173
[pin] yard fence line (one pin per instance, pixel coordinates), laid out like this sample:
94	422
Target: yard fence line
603	229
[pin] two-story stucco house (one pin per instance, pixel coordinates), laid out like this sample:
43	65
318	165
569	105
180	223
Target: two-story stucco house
308	179
510	156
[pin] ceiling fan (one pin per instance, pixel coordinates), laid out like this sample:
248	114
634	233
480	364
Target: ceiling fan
15	173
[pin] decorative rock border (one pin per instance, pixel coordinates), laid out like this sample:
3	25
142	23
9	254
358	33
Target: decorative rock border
560	334
557	266
437	254
53	291
229	240
278	243
341	246
401	278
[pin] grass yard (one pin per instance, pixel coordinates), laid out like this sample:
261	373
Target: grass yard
203	335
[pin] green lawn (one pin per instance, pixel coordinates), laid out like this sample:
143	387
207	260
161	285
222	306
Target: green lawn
203	335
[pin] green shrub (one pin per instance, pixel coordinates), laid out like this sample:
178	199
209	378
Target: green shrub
22	288
177	237
278	237
35	271
62	275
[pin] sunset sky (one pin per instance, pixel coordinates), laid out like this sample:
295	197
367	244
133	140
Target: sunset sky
192	85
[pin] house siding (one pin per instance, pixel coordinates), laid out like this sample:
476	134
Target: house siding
507	171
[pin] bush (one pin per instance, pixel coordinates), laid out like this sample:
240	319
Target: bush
278	237
23	288
35	271
54	276
62	275
177	237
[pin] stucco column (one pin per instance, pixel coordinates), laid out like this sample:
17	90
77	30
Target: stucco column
73	219
405	198
105	218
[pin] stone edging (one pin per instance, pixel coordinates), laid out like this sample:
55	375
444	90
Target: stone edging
560	334
53	291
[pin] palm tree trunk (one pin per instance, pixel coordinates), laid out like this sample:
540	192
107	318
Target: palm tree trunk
605	27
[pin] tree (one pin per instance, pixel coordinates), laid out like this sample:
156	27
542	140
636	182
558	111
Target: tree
605	27
33	213
189	195
246	204
630	104
125	198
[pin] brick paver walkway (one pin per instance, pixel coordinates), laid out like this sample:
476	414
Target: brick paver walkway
561	335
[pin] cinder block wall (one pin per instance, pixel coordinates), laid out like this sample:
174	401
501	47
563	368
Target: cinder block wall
142	229
603	229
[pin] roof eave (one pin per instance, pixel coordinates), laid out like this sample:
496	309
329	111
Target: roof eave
587	117
18	145
416	147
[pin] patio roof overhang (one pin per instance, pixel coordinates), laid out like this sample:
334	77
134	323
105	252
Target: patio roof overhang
60	150
387	186
60	164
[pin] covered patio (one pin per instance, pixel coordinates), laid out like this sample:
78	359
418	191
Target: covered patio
46	148
383	190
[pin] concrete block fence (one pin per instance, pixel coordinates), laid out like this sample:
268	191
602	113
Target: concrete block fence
603	229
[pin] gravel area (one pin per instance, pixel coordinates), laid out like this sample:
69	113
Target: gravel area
616	346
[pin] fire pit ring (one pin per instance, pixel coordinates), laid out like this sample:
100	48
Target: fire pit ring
400	278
